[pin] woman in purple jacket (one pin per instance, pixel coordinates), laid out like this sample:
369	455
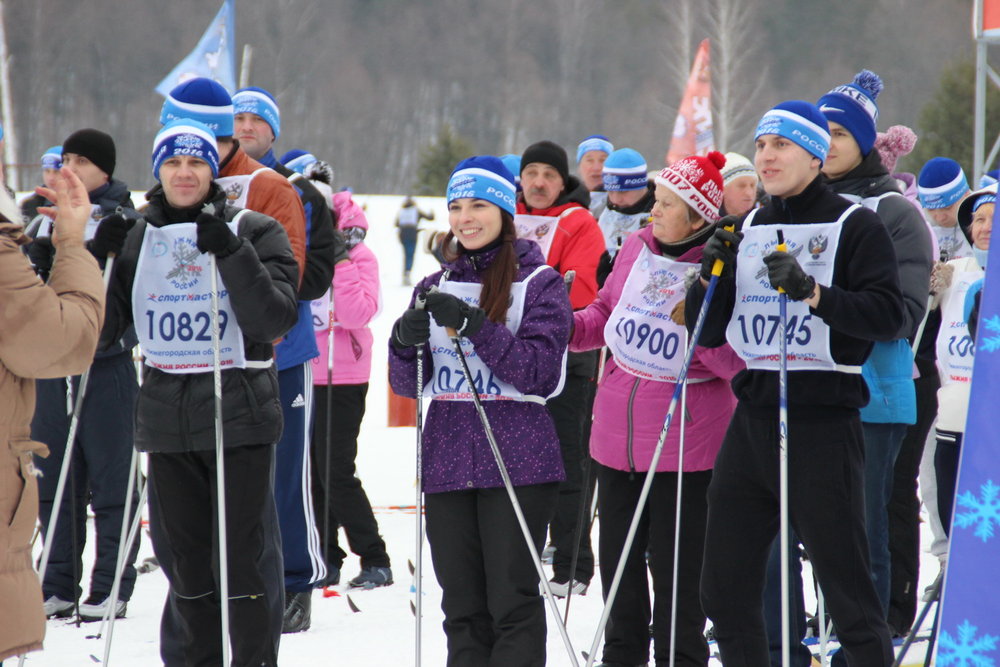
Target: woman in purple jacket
632	316
514	318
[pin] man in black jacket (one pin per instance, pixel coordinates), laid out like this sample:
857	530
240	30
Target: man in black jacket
841	299
166	294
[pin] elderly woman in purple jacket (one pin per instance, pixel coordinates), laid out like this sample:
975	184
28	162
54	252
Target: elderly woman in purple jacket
514	319
632	316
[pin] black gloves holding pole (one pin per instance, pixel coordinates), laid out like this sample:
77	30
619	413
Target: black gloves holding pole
784	272
109	239
214	236
414	326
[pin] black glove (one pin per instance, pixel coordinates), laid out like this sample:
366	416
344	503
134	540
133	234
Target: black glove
412	328
40	252
110	236
339	247
784	271
450	311
723	244
214	236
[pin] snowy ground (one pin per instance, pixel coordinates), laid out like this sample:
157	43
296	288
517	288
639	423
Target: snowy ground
382	633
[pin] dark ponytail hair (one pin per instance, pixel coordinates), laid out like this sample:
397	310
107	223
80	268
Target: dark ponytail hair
499	275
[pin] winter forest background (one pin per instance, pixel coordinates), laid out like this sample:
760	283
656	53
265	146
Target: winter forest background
368	84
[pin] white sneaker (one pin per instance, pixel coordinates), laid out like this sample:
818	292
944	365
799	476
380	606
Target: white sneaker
94	610
548	553
57	607
561	588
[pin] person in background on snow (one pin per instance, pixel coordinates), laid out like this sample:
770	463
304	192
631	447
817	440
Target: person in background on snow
408	222
51	162
955	345
630	199
248	184
514	318
739	182
46	330
257	124
590	157
647	281
175	415
941	188
102	452
846	301
552	212
337	494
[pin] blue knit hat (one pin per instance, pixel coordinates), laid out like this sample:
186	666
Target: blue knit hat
625	169
483	177
258	101
298	159
184	136
941	183
595	142
203	100
853	106
800	122
52	158
513	164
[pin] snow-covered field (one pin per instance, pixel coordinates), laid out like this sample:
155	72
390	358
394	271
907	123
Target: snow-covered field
382	633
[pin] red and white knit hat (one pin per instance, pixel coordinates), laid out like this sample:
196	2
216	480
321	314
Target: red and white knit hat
697	181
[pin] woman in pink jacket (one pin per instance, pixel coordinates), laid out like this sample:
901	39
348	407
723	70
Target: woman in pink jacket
338	496
632	316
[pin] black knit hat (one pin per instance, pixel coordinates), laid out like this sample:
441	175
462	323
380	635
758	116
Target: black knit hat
549	153
94	145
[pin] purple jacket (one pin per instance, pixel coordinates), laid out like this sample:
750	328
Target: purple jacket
629	411
456	454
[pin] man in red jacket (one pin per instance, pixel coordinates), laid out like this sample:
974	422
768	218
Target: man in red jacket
553	212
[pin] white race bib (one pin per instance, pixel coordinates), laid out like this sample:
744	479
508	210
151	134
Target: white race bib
171	304
448	380
753	330
616	227
237	187
955	348
539	228
96	215
408	216
639	333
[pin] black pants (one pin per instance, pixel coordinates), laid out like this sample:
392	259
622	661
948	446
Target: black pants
345	501
904	505
569	410
946	458
493	613
98	475
826	506
626	639
185	492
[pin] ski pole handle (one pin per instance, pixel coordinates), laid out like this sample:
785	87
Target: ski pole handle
782	247
717	266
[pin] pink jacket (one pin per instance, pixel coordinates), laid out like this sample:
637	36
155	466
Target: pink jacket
629	411
356	302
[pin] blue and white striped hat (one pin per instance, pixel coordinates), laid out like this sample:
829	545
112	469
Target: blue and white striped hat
624	170
52	158
595	142
203	100
941	183
801	123
483	177
184	136
258	101
298	159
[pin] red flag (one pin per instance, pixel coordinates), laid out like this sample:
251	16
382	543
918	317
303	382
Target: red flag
991	19
693	128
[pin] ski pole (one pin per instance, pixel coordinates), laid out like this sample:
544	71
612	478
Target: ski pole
935	593
509	485
220	470
122	546
418	572
824	629
677	530
329	432
783	465
644	494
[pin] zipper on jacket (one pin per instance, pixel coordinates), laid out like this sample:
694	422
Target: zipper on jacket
183	415
628	442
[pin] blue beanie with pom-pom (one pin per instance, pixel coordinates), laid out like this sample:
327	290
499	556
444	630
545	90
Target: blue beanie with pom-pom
853	106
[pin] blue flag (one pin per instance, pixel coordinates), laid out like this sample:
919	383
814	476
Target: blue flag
969	630
212	58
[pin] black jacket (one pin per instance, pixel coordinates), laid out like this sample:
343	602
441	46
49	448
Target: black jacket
864	304
910	237
176	412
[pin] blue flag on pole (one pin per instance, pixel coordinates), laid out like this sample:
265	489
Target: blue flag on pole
212	58
969	630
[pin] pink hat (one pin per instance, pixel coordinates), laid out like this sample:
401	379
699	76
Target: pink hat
348	213
893	144
697	181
